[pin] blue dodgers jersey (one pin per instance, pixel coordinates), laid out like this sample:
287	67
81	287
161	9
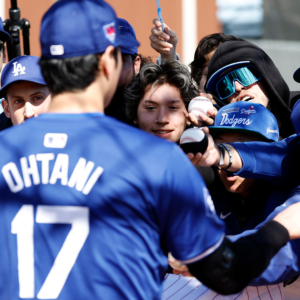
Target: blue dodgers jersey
90	207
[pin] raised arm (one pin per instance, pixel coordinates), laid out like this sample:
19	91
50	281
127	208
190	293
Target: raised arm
277	162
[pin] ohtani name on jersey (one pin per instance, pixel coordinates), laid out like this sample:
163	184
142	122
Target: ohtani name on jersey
82	177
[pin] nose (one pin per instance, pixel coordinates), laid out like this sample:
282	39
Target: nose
29	111
238	87
162	116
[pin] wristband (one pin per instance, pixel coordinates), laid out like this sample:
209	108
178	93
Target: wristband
230	157
222	151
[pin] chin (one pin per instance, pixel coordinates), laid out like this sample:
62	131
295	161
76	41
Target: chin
233	189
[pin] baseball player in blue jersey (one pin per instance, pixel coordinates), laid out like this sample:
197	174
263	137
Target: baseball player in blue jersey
89	206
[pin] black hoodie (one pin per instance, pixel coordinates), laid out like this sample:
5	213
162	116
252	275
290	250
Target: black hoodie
276	88
4	122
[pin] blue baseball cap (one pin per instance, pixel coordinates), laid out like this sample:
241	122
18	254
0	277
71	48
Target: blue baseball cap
295	116
73	28
127	31
4	36
246	117
21	68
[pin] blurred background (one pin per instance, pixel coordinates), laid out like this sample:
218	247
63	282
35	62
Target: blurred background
274	25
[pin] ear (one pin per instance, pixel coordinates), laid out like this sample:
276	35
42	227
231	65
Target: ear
135	122
6	108
137	65
107	62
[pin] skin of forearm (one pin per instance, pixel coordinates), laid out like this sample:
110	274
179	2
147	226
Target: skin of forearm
170	55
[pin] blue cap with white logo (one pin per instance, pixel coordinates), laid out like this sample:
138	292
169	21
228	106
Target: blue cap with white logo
246	117
22	68
127	31
4	36
73	28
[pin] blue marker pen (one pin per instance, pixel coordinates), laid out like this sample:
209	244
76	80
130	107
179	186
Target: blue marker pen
160	15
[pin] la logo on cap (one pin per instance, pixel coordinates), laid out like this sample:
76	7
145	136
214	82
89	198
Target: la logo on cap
18	68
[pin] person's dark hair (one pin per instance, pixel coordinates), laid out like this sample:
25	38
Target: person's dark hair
71	74
151	75
145	60
206	45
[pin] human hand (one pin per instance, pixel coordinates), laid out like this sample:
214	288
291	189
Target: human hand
178	267
207	119
163	42
211	156
289	218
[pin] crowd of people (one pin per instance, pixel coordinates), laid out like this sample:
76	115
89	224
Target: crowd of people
96	193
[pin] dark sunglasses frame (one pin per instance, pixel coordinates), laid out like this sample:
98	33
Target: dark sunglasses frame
236	79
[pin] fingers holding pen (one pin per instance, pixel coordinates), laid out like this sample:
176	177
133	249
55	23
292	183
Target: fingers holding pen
162	41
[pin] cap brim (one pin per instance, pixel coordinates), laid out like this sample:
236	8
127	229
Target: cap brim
128	51
4	36
5	87
210	84
297	75
127	43
216	130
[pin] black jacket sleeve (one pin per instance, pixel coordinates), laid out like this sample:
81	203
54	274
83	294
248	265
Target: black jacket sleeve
4	122
233	265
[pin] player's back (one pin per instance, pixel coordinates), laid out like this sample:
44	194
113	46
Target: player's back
80	203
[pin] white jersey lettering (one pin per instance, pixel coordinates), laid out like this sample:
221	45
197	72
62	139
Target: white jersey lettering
31	170
93	179
12	177
60	170
45	158
83	178
81	174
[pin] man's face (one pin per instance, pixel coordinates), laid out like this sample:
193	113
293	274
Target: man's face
25	100
161	112
254	92
236	184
